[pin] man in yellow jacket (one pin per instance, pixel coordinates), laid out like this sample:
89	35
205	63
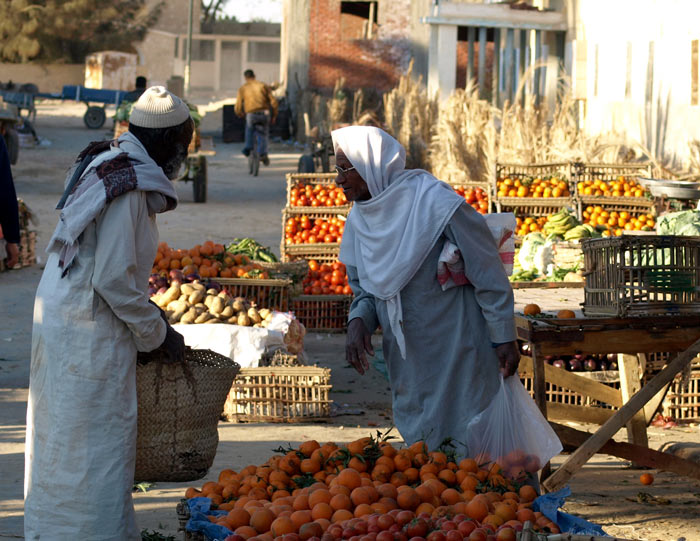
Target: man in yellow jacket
256	102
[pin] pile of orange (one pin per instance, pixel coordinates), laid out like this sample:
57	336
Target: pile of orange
305	230
368	487
529	224
532	187
614	222
476	197
622	187
208	260
317	195
326	279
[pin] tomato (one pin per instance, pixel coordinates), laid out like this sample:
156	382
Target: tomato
385	536
466	527
404	517
418	527
328	239
454	535
312	239
436	535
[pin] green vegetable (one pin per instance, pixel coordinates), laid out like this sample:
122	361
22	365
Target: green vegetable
251	248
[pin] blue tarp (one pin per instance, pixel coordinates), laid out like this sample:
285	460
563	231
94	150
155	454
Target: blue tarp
549	505
199	509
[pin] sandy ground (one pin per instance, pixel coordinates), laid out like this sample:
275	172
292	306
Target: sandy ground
241	206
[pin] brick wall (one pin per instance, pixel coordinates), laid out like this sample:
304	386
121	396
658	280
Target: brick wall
378	62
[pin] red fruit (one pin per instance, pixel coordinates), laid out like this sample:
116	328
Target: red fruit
454	535
404	517
385	536
449	525
466	527
436	535
418	527
385	521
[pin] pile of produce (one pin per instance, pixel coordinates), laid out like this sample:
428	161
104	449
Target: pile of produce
304	230
577	363
613	223
684	223
188	303
326	279
317	195
535	261
529	224
210	260
564	225
370	488
476	197
532	187
621	187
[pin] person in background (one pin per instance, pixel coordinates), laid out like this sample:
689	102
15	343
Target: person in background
139	89
91	317
256	102
442	346
9	211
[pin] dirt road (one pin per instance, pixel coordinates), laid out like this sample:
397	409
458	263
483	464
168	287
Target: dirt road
242	206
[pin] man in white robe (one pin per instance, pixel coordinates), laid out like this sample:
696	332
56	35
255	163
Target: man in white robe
443	348
91	316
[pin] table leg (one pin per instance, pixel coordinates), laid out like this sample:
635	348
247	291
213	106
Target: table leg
539	389
630	384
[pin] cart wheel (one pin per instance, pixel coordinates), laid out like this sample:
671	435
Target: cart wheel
199	181
94	117
12	143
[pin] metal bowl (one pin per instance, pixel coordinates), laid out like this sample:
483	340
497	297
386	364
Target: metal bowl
673	189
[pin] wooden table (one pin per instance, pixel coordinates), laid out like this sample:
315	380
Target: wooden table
631	339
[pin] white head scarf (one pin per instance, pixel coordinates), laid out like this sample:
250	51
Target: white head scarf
388	237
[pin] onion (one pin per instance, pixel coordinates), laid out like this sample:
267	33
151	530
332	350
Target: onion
176	274
590	365
152	291
153	278
549	358
612	357
579	357
191	277
161	282
525	348
162	290
559	363
214	285
575	365
612	365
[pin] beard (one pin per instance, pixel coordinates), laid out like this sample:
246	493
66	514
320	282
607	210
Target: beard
172	166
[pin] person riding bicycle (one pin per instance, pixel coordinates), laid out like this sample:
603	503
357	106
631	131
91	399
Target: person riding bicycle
256	102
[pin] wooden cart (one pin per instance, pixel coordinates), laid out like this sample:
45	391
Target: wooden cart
196	169
631	338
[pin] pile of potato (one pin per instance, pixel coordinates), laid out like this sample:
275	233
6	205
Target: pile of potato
194	303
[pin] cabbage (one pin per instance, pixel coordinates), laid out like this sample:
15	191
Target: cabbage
528	251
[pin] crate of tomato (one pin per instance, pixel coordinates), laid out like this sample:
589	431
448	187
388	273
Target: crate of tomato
533	190
476	195
315	190
309	233
325	304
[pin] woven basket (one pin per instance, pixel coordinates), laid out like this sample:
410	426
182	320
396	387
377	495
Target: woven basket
179	409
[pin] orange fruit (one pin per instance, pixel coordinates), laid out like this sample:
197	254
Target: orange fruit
192	493
349	478
527	493
408	499
282	526
646	479
531	310
309	530
566	314
322	510
238	518
360	495
261	520
341	515
469	464
246	532
300	517
478	508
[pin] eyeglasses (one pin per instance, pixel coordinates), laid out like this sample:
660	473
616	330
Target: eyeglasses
342	171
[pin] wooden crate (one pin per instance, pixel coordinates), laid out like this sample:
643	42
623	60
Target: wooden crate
532	206
561	395
484	186
633	205
266	293
322	252
608	172
641	275
279	394
683	403
324	179
322	313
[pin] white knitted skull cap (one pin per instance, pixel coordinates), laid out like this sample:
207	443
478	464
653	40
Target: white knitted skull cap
158	108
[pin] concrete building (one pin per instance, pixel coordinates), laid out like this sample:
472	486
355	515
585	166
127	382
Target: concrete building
632	64
220	51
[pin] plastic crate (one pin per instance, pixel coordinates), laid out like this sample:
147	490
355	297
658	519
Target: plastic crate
324	179
279	394
322	313
266	293
641	275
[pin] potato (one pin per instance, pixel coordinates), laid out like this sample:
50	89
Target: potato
216	306
254	315
178	306
227	312
264	312
238	305
177	316
169	296
196	297
244	320
212	292
209	300
199	286
200	306
187	289
190	316
183	297
203	317
212	320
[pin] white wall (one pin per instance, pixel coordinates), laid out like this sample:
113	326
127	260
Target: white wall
610	25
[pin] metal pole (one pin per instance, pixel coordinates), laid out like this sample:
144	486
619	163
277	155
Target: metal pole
188	50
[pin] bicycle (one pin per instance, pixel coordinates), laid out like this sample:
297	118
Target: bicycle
258	141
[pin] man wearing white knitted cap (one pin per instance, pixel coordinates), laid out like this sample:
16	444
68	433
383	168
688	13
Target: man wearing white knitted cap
91	317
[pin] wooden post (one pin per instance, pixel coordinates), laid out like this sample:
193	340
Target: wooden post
509	60
471	34
629	386
481	77
495	80
540	391
579	457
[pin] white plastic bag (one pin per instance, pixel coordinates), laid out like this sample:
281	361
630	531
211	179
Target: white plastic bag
513	433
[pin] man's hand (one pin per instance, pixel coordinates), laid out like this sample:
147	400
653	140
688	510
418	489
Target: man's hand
358	344
273	120
508	358
12	254
173	346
